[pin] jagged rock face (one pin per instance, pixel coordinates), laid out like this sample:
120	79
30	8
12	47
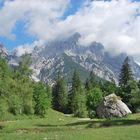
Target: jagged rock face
112	106
49	58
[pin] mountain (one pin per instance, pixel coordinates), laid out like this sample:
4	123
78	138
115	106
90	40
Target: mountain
66	55
62	64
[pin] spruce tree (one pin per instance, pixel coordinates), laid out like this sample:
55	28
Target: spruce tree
41	99
91	81
126	73
126	83
59	95
77	97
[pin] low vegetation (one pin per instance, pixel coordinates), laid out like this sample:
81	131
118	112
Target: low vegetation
57	126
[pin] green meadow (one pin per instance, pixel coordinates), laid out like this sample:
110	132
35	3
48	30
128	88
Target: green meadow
57	126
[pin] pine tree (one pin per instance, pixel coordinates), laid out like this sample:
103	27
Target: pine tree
126	83
59	95
41	99
91	81
77	97
126	73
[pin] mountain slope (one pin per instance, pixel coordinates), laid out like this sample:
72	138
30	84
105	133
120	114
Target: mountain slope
63	65
66	55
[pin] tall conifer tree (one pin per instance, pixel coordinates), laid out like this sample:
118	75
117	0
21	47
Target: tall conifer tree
126	73
77	97
60	95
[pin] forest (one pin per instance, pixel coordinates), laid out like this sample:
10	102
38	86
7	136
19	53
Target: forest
21	95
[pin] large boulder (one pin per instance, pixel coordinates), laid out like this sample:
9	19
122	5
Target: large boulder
112	106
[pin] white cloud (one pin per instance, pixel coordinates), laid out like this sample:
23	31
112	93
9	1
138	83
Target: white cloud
27	48
116	23
38	15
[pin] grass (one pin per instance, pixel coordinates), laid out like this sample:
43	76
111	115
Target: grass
57	126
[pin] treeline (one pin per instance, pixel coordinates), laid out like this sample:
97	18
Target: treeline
19	94
82	99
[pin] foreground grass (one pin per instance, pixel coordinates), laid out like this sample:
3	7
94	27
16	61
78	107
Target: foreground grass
57	126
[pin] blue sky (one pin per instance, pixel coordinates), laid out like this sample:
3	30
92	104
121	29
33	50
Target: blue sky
22	37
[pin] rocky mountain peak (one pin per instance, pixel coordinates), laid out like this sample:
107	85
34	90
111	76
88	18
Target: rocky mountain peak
66	55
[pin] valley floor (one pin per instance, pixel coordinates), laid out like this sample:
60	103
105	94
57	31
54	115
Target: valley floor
57	126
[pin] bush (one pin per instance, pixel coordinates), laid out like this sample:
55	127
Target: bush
93	100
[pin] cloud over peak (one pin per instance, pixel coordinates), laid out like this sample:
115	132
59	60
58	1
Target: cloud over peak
115	24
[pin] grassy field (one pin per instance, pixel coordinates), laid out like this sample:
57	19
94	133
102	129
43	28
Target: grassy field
57	126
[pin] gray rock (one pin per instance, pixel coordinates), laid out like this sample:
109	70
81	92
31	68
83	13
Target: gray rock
112	106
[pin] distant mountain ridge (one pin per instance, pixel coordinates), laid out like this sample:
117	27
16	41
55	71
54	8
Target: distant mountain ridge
66	55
